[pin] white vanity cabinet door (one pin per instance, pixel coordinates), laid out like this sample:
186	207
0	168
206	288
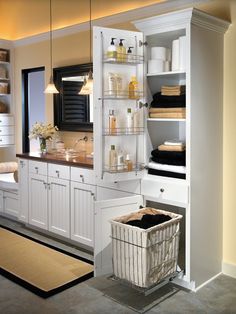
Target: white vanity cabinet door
23	190
38	199
82	213
59	206
11	203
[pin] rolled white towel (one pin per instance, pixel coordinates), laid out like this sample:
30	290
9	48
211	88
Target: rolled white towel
174	142
164	167
9	166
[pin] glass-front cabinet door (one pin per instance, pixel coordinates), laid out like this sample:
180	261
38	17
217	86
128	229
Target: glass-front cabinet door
119	111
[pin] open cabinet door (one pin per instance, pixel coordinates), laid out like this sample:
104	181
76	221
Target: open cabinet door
112	93
104	211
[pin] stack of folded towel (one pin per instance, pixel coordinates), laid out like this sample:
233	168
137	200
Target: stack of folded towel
169	103
169	160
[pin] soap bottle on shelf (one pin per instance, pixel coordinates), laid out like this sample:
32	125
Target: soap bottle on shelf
120	161
138	119
129	121
113	159
121	52
130	57
128	163
112	51
133	88
112	122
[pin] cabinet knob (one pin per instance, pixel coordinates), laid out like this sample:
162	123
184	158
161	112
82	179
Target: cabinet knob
0	140
45	185
162	190
58	173
36	169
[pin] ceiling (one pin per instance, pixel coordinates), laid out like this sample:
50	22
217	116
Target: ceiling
23	18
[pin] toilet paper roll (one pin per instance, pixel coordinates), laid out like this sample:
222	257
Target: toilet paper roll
155	66
158	53
182	53
168	54
175	55
166	66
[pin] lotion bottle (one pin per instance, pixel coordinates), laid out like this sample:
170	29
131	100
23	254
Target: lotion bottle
121	52
112	122
128	163
133	88
112	51
129	121
113	159
130	57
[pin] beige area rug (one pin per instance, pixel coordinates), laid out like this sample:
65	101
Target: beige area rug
39	268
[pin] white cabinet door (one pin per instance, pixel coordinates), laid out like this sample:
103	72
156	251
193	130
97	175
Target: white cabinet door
1	201
104	211
59	206
105	99
38	214
82	213
23	190
11	203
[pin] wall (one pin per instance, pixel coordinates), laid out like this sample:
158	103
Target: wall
229	165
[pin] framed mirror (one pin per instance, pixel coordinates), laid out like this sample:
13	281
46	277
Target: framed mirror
72	112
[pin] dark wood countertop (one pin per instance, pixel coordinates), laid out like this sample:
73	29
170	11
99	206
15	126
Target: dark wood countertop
60	159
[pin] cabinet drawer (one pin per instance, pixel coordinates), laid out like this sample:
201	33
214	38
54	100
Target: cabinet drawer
7	140
38	167
165	192
6	130
82	175
6	120
59	171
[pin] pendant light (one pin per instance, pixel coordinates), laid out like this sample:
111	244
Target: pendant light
87	87
51	88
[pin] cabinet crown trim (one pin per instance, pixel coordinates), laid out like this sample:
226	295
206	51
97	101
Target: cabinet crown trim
182	18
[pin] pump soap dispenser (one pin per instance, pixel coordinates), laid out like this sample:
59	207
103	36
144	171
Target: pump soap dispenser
121	52
130	56
112	51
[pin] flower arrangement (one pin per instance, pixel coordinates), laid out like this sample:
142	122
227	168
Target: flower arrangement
43	132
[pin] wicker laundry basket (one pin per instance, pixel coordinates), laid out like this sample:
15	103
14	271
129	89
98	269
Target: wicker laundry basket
144	257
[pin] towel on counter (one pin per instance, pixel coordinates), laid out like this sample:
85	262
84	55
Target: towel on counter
164	167
173	90
172	148
175	142
167	174
168	115
168	157
167	110
162	101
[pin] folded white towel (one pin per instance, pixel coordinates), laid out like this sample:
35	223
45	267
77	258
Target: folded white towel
174	142
164	167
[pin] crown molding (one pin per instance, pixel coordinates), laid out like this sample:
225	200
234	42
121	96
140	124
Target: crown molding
140	13
181	19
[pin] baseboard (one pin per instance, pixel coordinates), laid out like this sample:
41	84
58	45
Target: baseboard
207	282
229	269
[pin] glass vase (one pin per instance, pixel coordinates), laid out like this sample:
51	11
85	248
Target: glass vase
42	144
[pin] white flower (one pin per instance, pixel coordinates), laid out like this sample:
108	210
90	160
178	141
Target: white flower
41	130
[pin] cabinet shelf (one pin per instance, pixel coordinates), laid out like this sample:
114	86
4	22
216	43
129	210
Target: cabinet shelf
128	59
5	62
123	169
121	95
166	119
179	74
4	79
123	131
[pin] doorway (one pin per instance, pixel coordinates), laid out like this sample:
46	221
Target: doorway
33	106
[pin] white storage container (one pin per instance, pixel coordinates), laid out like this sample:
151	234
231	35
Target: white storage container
144	257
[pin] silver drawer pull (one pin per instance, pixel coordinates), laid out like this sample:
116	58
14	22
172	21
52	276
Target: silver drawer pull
0	140
82	177
36	169
58	173
162	190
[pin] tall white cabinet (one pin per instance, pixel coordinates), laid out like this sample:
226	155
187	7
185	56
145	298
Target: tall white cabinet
199	195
